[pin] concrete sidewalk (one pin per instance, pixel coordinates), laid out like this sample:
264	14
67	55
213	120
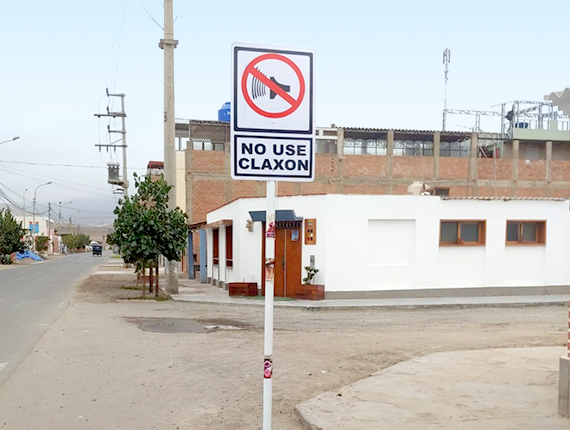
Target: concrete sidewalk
495	389
194	291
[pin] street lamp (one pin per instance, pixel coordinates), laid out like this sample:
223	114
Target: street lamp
10	140
34	214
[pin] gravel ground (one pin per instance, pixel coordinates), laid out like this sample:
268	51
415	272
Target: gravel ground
111	363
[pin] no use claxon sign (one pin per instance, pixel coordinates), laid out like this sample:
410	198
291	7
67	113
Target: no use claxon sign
272	130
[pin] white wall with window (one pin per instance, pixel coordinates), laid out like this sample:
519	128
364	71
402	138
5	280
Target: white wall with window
402	244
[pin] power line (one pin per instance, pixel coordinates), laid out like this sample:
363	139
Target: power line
65	165
151	17
115	54
34	177
120	43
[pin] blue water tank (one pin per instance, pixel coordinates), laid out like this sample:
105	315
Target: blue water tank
224	113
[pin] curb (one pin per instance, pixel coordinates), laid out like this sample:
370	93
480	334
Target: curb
305	424
311	307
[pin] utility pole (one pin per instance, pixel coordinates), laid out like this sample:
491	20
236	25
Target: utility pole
124	181
49	227
168	44
24	201
34	216
446	61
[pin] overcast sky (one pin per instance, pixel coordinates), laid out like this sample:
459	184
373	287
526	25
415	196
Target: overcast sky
378	64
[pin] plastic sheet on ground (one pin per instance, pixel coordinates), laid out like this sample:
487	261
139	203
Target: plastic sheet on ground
28	254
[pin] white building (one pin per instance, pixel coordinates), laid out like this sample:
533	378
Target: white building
397	246
43	227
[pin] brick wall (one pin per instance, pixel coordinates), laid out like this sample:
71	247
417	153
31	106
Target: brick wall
372	166
560	171
413	167
208	194
211	187
209	162
495	168
532	170
453	168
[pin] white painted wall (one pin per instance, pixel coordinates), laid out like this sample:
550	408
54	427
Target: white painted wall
370	243
41	221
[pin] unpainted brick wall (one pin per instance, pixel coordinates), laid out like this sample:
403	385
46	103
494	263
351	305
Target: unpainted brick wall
495	168
533	170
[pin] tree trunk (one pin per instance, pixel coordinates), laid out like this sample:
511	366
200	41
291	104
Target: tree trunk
156	285
143	285
150	278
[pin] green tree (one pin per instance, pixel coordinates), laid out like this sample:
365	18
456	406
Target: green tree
11	236
75	240
145	229
42	243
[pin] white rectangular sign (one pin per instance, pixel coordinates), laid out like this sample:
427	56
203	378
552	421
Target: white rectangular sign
273	102
273	158
272	89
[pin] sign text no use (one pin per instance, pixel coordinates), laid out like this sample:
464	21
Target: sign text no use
274	157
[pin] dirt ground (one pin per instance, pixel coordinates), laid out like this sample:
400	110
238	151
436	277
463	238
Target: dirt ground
114	363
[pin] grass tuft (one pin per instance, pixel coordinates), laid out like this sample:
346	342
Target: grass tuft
157	299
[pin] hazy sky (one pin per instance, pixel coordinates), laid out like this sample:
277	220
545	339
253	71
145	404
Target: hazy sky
378	64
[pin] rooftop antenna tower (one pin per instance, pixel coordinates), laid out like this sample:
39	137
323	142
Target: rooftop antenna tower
446	61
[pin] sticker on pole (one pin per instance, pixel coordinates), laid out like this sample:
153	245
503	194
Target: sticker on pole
272	90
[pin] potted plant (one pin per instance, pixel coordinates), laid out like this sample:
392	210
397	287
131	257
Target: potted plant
309	290
311	273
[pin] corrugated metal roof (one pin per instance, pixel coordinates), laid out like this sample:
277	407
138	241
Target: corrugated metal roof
396	130
155	165
506	199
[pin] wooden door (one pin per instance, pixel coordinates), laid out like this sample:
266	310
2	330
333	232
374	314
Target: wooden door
288	250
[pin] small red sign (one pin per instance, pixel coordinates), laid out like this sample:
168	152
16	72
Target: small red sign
271	230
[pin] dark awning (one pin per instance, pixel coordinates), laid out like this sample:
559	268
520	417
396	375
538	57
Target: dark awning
281	215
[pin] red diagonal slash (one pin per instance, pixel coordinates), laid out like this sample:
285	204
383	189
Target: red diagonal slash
250	69
272	85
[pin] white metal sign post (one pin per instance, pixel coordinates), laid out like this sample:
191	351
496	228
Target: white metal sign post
272	139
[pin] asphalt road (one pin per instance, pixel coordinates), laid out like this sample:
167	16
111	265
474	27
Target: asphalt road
31	299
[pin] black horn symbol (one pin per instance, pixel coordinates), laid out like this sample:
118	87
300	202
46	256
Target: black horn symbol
259	89
285	88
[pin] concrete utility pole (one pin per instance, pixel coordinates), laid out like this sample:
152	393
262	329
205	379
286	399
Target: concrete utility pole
34	216
124	182
68	203
446	61
24	201
168	44
124	131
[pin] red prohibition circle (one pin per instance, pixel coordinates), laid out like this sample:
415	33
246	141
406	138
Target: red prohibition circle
250	69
